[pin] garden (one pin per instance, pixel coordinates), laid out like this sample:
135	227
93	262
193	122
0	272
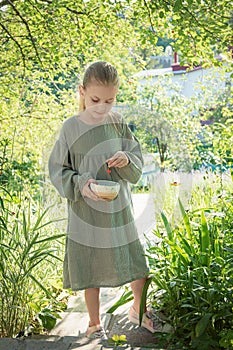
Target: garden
45	46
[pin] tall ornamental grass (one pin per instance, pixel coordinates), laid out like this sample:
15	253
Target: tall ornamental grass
29	250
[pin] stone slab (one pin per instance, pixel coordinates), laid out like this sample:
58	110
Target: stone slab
30	344
11	344
135	335
71	324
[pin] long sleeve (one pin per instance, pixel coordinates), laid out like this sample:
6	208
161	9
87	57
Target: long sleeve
130	145
67	180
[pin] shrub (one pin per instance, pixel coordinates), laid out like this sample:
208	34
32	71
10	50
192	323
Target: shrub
27	250
191	267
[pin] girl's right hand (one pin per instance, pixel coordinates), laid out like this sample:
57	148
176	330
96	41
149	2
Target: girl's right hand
88	193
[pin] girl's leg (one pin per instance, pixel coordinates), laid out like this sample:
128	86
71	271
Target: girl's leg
93	305
137	287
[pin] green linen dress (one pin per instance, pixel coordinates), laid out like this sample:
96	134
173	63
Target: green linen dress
102	244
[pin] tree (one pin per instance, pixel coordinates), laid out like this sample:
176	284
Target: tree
45	44
166	124
60	34
200	29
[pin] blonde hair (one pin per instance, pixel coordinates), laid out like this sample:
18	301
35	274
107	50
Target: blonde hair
102	72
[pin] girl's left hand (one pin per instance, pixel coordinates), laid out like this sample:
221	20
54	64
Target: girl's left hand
118	160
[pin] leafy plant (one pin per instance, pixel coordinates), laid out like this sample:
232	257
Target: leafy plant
217	132
117	340
191	268
48	318
25	250
19	176
124	299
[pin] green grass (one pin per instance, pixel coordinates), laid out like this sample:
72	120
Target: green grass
29	256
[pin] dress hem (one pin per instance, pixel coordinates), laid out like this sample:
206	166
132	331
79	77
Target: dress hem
109	285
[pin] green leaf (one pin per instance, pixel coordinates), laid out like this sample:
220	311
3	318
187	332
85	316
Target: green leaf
161	14
160	282
205	240
231	171
143	298
48	320
202	324
39	219
182	255
124	299
177	5
167	227
188	248
47	239
217	247
48	293
186	220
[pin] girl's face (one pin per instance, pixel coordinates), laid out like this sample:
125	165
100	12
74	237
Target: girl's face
98	99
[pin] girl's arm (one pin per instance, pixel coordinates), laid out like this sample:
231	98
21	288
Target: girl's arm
68	182
131	169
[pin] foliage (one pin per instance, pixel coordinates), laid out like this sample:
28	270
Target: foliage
216	135
117	340
184	133
61	35
27	251
191	269
22	176
165	123
45	46
124	299
48	319
199	29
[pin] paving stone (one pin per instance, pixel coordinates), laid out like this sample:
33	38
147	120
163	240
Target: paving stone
45	345
44	337
87	344
11	344
135	335
30	344
71	324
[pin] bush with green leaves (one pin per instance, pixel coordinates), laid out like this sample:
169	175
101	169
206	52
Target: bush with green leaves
29	255
20	174
191	272
217	134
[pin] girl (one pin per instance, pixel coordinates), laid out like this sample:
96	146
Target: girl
102	247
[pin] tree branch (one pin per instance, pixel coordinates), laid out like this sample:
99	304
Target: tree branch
149	14
48	1
17	44
36	8
28	30
75	11
198	23
192	16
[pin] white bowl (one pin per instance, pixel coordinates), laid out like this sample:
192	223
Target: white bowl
106	189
